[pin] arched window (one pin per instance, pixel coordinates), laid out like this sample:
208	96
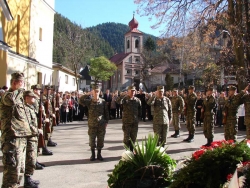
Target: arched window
136	43
128	44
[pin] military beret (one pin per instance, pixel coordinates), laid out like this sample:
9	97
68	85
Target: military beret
232	88
37	86
17	76
160	88
95	87
28	93
131	88
191	87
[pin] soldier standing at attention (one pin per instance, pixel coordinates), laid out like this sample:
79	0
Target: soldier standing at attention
162	114
32	142
49	114
191	113
209	104
97	120
177	108
37	91
230	111
130	117
15	132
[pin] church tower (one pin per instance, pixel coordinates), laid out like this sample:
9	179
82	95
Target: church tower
133	38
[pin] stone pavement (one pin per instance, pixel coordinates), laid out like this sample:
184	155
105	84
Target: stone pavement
70	167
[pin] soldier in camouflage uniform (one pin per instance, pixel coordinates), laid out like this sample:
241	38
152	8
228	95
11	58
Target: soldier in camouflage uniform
190	101
32	142
230	111
162	114
209	104
47	135
97	120
37	92
246	101
15	132
177	108
130	117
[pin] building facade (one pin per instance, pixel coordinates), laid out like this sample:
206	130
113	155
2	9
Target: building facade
27	40
64	78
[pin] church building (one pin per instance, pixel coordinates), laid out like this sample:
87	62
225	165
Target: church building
129	62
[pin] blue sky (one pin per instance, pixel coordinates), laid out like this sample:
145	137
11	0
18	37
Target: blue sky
89	13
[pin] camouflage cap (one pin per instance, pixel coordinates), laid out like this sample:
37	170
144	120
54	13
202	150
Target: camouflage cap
191	87
17	76
95	87
37	86
175	89
160	88
28	93
131	88
232	88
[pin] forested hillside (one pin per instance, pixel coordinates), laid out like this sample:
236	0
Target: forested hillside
102	40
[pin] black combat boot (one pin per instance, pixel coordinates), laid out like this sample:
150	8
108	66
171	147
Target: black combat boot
191	139
186	140
177	134
51	143
41	164
29	183
209	141
92	158
38	166
46	151
99	156
173	135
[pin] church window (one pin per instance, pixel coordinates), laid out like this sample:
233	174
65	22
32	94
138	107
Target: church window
136	43
128	44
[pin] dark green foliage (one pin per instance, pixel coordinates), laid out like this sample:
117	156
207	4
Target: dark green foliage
210	170
149	167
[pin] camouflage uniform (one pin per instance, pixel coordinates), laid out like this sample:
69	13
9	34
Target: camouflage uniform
31	152
191	114
162	116
97	119
131	113
15	130
231	108
208	129
48	134
177	108
246	101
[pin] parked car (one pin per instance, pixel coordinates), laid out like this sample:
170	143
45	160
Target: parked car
230	80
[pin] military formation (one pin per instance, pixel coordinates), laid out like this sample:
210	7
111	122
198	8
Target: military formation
28	118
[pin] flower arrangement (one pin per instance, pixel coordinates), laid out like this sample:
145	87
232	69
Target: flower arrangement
210	166
243	176
148	166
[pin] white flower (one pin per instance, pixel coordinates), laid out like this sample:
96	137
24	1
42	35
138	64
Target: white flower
127	155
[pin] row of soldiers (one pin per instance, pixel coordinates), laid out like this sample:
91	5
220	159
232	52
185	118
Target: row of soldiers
167	110
26	125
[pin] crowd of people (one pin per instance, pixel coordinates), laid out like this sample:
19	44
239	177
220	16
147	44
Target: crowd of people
28	119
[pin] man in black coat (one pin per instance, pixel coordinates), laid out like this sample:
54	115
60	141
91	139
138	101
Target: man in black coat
108	98
142	97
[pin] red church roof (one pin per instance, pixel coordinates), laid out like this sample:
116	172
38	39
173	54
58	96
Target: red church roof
118	58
